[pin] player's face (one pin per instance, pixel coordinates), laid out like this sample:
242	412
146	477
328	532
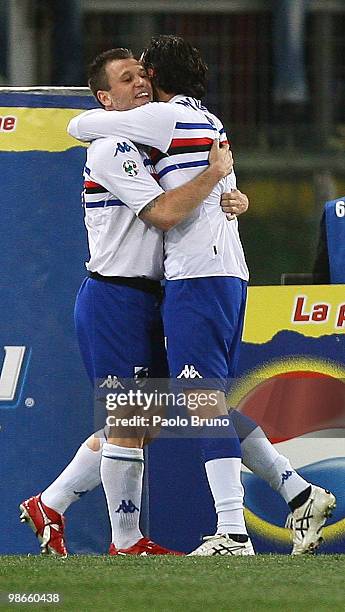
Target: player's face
129	85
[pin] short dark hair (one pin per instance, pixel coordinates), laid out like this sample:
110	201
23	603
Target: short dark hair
97	76
177	66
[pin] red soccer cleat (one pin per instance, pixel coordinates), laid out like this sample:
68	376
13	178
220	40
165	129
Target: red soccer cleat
143	548
47	524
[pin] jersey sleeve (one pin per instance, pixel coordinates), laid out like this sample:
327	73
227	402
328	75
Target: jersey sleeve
151	125
123	173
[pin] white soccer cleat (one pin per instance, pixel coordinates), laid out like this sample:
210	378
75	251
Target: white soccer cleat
222	544
308	520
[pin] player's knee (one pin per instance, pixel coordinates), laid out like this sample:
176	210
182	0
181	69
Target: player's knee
93	443
132	442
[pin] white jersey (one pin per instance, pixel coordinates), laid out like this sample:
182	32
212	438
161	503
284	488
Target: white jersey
117	186
182	131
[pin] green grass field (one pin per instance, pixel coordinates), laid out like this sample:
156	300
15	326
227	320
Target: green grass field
162	584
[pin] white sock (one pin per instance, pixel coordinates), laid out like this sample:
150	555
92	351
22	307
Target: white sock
81	475
122	475
225	483
260	456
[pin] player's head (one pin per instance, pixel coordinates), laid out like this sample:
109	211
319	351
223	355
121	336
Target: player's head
175	66
118	81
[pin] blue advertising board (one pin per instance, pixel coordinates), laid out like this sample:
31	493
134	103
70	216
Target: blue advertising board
45	396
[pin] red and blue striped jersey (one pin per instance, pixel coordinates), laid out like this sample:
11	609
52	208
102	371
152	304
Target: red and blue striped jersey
181	133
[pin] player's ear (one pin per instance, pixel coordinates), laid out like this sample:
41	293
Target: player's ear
104	98
151	72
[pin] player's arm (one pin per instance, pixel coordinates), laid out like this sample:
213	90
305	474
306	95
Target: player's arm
152	124
175	205
125	176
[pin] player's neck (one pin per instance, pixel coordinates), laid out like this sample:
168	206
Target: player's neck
163	96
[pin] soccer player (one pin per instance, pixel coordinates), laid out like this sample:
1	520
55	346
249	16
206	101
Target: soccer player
118	306
206	276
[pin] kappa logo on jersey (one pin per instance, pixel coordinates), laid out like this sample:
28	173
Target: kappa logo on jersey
111	382
12	367
123	147
127	507
189	371
130	167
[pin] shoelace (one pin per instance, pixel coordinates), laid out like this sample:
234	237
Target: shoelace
212	537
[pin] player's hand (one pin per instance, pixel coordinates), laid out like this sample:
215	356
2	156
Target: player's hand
220	158
234	203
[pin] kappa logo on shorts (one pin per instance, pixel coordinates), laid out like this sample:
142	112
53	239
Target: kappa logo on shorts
123	147
189	371
111	382
130	167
